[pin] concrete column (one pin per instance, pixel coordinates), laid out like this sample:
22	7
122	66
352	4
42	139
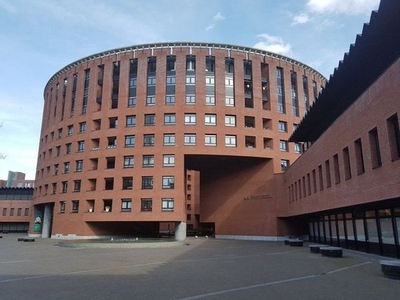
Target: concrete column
46	227
180	231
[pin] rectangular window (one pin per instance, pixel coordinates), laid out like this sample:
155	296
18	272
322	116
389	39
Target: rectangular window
167	204
169	119
151	81
148	140
190	99
359	157
230	120
149	119
314	178
168	182
321	178
375	148
336	168
70	129
146	204
129	141
171	80
210	140
346	162
127	183
62	206
126	204
394	136
297	148
150	100
230	140
131	101
128	161
110	162
210	100
282	126
229	101
130	121
68	148
210	119
190	80
168	160
82	127
280	91
284	164
12	211
108	183
77	185
170	99
328	174
79	165
4	211
81	146
147	182
66	167
190	119
190	139
169	139
75	206
283	145
148	161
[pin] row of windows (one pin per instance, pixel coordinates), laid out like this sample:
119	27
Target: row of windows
308	183
125	205
12	212
168	182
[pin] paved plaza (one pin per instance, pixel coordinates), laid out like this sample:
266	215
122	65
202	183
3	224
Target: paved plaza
199	269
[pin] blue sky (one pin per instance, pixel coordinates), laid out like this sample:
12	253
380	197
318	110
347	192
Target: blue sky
39	37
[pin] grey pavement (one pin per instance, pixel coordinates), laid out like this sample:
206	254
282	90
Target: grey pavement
199	269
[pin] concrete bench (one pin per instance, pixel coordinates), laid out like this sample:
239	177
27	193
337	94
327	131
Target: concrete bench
295	243
331	251
316	248
390	268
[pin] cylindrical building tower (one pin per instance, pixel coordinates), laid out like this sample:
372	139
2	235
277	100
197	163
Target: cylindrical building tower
149	138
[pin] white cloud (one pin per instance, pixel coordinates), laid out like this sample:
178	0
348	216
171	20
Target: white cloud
273	44
351	7
218	17
301	18
210	27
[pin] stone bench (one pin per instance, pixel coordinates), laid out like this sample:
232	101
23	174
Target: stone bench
295	243
331	251
390	268
316	248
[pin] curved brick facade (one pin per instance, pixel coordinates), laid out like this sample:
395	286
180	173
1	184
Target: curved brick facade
140	138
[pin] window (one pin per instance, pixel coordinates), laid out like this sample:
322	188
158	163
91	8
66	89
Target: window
81	146
82	127
210	140
328	173
4	211
190	119
12	211
190	99
167	204
151	81
130	121
171	80
149	119
148	161
128	161
148	140
210	100
127	183
56	168
284	164
169	119
62	206
19	212
336	168
70	130
190	139
210	119
75	206
68	148
77	185
394	136
129	141
131	101
375	148
112	142
230	140
359	157
283	146
229	101
146	204
168	160
79	165
66	167
110	162
168	182
229	81
346	161
170	99
230	120
108	183
147	182
210	80
169	139
58	151
297	148
126	204
26	212
282	126
190	80
150	100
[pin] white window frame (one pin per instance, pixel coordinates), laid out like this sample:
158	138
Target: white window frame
210	140
190	139
168	160
230	141
167	139
210	119
167	204
190	119
230	120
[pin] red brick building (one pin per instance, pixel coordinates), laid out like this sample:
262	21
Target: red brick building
153	137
